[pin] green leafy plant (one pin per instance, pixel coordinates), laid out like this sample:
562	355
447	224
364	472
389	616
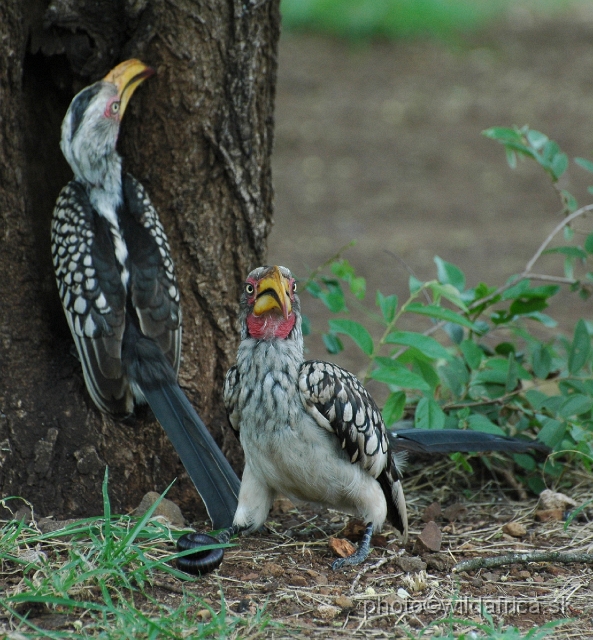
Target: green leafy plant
480	363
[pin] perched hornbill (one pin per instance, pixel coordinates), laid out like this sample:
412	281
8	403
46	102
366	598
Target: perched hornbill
118	288
310	430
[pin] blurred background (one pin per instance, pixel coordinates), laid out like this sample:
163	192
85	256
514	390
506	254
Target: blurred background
379	114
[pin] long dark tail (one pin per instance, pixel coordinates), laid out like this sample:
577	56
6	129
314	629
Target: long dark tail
205	463
452	440
149	371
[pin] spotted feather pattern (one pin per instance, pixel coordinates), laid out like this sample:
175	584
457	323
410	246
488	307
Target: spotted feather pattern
345	407
100	264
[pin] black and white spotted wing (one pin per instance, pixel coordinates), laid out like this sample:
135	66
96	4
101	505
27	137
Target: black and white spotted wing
101	269
338	401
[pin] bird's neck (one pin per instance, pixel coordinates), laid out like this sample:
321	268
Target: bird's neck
104	186
272	353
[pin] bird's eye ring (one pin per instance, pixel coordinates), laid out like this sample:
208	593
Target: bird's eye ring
249	288
294	287
115	108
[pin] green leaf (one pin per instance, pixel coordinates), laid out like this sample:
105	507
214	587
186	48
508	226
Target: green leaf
513	373
524	305
332	343
536	139
589	243
525	461
455	375
541	360
448	273
354	330
440	313
449	292
575	405
415	285
472	353
394	407
511	158
427	345
572	252
585	164
559	165
394	373
579	348
552	432
388	306
479	422
503	134
306	325
345	271
429	415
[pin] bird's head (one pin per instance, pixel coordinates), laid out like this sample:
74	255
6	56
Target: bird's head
269	303
91	125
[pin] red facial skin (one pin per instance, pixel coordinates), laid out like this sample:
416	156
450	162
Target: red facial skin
272	324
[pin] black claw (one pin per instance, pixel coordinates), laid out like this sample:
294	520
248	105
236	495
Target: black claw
200	562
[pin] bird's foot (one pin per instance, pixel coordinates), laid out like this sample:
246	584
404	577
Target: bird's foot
226	534
360	555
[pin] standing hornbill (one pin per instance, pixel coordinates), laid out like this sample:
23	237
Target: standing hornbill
117	284
310	430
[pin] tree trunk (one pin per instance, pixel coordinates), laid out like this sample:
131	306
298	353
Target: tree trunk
198	135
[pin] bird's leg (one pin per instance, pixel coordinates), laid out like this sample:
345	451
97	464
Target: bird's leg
226	534
361	554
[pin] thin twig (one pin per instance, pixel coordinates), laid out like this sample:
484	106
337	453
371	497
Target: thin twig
522	558
366	569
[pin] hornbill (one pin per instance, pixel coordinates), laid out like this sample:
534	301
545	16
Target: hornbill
117	284
310	430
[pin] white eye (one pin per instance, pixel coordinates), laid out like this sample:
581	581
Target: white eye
294	287
249	288
114	108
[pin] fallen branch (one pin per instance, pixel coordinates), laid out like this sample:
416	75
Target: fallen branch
522	558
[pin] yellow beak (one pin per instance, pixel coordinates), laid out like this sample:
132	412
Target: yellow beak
127	76
273	294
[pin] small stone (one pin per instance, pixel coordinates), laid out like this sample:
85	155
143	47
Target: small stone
549	515
282	505
324	591
344	602
166	508
327	611
250	576
539	579
341	547
477	582
524	575
552	500
453	511
298	581
410	564
271	569
430	539
321	579
439	562
515	529
204	614
491	577
432	512
556	571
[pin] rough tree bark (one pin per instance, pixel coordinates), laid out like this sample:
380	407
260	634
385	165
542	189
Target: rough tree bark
198	135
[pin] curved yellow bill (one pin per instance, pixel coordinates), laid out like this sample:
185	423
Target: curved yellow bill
273	294
127	76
